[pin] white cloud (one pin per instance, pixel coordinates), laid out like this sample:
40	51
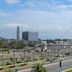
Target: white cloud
39	16
45	21
51	5
69	0
12	1
4	14
42	21
12	25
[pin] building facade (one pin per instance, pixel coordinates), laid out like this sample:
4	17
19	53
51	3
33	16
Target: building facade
18	33
30	36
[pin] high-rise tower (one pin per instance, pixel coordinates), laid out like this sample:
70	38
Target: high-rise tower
18	33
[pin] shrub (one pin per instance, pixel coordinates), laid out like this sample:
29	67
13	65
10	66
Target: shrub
38	68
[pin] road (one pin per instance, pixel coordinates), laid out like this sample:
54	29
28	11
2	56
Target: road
54	67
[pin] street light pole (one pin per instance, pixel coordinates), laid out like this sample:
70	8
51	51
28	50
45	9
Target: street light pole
60	65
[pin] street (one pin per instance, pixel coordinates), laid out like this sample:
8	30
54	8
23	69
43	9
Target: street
54	67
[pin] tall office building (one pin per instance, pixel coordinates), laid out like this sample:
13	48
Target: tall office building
30	36
18	33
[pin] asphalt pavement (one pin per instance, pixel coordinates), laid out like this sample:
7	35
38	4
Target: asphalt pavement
54	67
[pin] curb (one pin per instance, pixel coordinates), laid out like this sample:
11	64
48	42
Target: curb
67	70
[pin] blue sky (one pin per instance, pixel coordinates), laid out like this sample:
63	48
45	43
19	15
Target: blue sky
51	18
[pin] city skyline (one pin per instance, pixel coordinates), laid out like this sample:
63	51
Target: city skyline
50	18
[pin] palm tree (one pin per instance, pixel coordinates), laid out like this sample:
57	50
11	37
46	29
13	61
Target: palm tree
38	68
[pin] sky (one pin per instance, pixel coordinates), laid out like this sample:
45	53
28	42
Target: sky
50	18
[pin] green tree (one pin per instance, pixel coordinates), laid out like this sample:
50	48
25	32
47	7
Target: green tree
38	68
1	50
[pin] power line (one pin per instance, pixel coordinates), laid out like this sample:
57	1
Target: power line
66	32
